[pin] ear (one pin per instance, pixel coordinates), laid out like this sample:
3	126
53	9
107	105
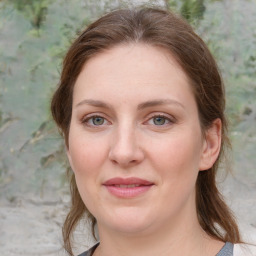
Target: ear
211	145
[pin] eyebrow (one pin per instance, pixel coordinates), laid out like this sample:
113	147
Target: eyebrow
95	103
147	104
159	102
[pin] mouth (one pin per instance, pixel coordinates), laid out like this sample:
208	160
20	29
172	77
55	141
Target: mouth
127	187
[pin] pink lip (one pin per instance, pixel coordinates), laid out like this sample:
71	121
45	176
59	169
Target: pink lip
141	186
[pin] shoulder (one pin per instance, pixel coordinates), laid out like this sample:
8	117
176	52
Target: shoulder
244	250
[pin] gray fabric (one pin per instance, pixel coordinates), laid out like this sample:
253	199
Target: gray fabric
227	250
90	251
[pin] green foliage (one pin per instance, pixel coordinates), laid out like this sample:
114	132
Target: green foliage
172	4
34	10
191	10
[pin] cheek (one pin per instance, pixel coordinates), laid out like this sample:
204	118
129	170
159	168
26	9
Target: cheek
86	154
177	157
87	159
176	161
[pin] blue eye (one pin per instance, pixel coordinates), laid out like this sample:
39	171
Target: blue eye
94	121
97	120
159	120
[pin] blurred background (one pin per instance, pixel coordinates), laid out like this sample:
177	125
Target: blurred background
34	36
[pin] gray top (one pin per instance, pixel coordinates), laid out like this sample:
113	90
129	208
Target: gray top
226	250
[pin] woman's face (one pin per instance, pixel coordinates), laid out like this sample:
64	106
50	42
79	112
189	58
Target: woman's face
135	143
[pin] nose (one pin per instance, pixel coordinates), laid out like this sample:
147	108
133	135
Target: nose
125	150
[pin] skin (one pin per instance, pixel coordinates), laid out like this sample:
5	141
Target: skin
127	140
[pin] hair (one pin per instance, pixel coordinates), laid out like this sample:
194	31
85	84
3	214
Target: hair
160	28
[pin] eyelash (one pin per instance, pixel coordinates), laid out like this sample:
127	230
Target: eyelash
167	119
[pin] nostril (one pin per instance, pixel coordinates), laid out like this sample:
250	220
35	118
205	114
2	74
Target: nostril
125	151
125	160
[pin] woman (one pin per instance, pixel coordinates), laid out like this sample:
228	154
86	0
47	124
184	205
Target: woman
141	107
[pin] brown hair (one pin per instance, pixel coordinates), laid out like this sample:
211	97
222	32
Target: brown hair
163	29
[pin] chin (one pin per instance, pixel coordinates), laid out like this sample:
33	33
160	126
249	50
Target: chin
129	221
131	228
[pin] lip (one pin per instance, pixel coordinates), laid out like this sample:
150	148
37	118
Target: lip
127	187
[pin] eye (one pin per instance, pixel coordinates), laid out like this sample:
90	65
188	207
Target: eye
94	121
159	120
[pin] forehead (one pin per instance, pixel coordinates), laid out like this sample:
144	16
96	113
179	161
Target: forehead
133	68
136	57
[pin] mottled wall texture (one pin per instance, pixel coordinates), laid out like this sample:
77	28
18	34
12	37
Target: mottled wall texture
34	36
